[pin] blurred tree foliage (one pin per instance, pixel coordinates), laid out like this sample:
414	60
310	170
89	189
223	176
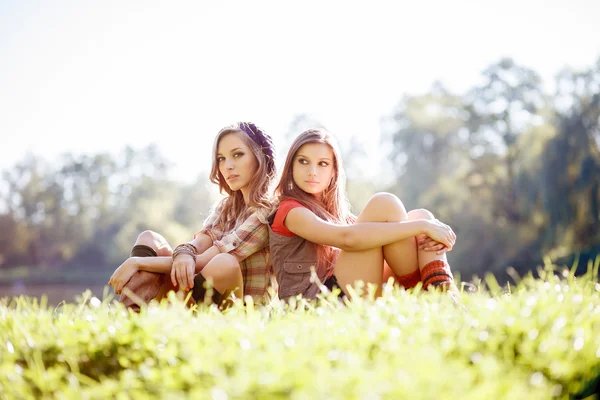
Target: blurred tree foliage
515	170
87	210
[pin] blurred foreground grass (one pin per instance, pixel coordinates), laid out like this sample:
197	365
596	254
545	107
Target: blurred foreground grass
539	340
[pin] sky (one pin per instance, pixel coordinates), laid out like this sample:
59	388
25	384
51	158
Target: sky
92	76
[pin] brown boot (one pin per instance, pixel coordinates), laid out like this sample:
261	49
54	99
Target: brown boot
143	284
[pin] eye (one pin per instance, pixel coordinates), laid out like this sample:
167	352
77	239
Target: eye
323	164
238	154
220	159
302	161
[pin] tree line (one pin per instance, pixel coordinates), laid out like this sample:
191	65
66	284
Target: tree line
512	166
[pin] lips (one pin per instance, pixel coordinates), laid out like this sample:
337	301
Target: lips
231	177
312	182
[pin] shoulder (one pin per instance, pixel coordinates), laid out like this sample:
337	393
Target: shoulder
289	204
259	215
278	219
286	206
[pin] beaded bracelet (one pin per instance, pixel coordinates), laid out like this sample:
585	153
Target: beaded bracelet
186	248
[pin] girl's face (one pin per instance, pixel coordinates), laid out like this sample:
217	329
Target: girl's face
236	162
313	168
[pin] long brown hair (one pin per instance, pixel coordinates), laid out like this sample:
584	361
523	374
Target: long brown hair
333	204
233	210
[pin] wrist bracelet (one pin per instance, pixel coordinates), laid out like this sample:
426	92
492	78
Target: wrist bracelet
186	248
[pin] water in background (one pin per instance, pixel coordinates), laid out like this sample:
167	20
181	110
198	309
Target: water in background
54	292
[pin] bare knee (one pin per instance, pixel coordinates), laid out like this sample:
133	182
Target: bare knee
384	207
420	213
224	270
228	264
149	238
155	241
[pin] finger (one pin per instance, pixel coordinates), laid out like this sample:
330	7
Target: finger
184	279
428	243
122	286
178	278
442	251
451	236
447	242
181	279
188	280
173	280
436	247
190	276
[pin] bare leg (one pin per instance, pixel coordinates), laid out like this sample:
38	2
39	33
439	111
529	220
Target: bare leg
388	273
156	241
150	285
404	257
225	274
367	265
425	257
401	260
401	256
434	268
163	249
202	244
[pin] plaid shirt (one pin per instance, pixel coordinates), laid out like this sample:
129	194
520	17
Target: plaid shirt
249	244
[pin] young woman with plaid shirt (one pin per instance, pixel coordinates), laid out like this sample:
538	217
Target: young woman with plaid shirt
231	250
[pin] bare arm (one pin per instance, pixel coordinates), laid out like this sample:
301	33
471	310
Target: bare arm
163	264
204	258
160	265
365	235
356	237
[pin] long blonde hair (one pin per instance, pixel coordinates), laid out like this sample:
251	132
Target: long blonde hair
233	210
333	204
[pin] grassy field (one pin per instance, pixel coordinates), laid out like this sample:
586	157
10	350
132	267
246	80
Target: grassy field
538	340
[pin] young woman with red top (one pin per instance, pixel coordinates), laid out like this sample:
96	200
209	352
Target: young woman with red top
231	249
313	228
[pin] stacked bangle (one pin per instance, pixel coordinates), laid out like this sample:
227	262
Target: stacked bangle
185	248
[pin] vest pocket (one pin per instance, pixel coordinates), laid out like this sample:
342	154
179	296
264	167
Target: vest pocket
295	278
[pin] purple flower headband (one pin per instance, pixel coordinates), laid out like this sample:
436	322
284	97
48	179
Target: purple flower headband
263	140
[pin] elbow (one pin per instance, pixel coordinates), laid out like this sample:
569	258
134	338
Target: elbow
350	241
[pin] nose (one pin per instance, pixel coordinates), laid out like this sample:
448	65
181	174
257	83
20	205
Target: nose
312	172
229	163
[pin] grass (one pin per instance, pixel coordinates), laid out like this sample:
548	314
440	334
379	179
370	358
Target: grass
538	340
